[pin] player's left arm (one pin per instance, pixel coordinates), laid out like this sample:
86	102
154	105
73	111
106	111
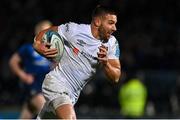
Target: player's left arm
113	70
112	67
44	48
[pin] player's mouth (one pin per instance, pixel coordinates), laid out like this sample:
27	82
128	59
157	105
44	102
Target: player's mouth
109	34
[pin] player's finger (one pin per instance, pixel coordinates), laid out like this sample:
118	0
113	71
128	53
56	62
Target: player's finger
51	52
101	54
102	49
48	45
103	46
102	59
51	56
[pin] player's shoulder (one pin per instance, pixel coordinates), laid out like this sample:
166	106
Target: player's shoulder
112	40
26	45
68	27
77	26
73	24
73	28
25	48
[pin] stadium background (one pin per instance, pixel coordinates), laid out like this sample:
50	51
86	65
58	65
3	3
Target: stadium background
149	38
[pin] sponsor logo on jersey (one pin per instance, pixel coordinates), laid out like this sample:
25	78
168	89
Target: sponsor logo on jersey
67	27
75	50
81	42
87	55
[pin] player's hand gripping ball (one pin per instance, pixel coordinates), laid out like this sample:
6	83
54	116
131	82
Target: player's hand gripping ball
56	41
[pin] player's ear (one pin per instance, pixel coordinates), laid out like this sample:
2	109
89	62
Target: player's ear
97	21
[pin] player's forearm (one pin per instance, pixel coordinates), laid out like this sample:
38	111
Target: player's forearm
20	73
41	33
113	73
15	67
38	44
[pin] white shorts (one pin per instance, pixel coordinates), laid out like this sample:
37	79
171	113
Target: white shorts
54	93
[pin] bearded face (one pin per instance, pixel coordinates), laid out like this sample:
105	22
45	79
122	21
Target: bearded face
107	27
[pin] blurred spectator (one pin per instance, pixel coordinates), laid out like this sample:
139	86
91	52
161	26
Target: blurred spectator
31	68
175	100
132	98
161	85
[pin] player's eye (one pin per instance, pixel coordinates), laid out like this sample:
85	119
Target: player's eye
111	22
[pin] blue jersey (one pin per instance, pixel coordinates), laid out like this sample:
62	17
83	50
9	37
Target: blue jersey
34	64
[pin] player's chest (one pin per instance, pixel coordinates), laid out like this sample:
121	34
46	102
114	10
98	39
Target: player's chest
86	44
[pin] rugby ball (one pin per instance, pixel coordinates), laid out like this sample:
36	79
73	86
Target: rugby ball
56	41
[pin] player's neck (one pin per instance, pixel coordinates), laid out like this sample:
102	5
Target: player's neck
94	31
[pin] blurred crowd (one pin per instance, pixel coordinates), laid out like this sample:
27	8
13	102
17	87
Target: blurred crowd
149	37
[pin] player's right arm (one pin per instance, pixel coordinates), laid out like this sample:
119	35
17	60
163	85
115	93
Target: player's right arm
44	48
15	66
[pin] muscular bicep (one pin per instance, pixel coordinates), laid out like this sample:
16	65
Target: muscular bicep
115	63
113	70
54	28
38	37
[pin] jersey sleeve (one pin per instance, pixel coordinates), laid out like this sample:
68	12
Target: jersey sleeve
67	30
114	51
23	50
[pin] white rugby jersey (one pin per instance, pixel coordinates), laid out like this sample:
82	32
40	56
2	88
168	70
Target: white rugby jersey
79	61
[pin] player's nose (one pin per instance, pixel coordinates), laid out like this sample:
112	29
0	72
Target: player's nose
114	28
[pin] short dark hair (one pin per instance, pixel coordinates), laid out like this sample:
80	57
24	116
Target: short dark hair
101	10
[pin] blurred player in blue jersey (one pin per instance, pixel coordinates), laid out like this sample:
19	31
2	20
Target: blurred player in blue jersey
31	68
88	47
